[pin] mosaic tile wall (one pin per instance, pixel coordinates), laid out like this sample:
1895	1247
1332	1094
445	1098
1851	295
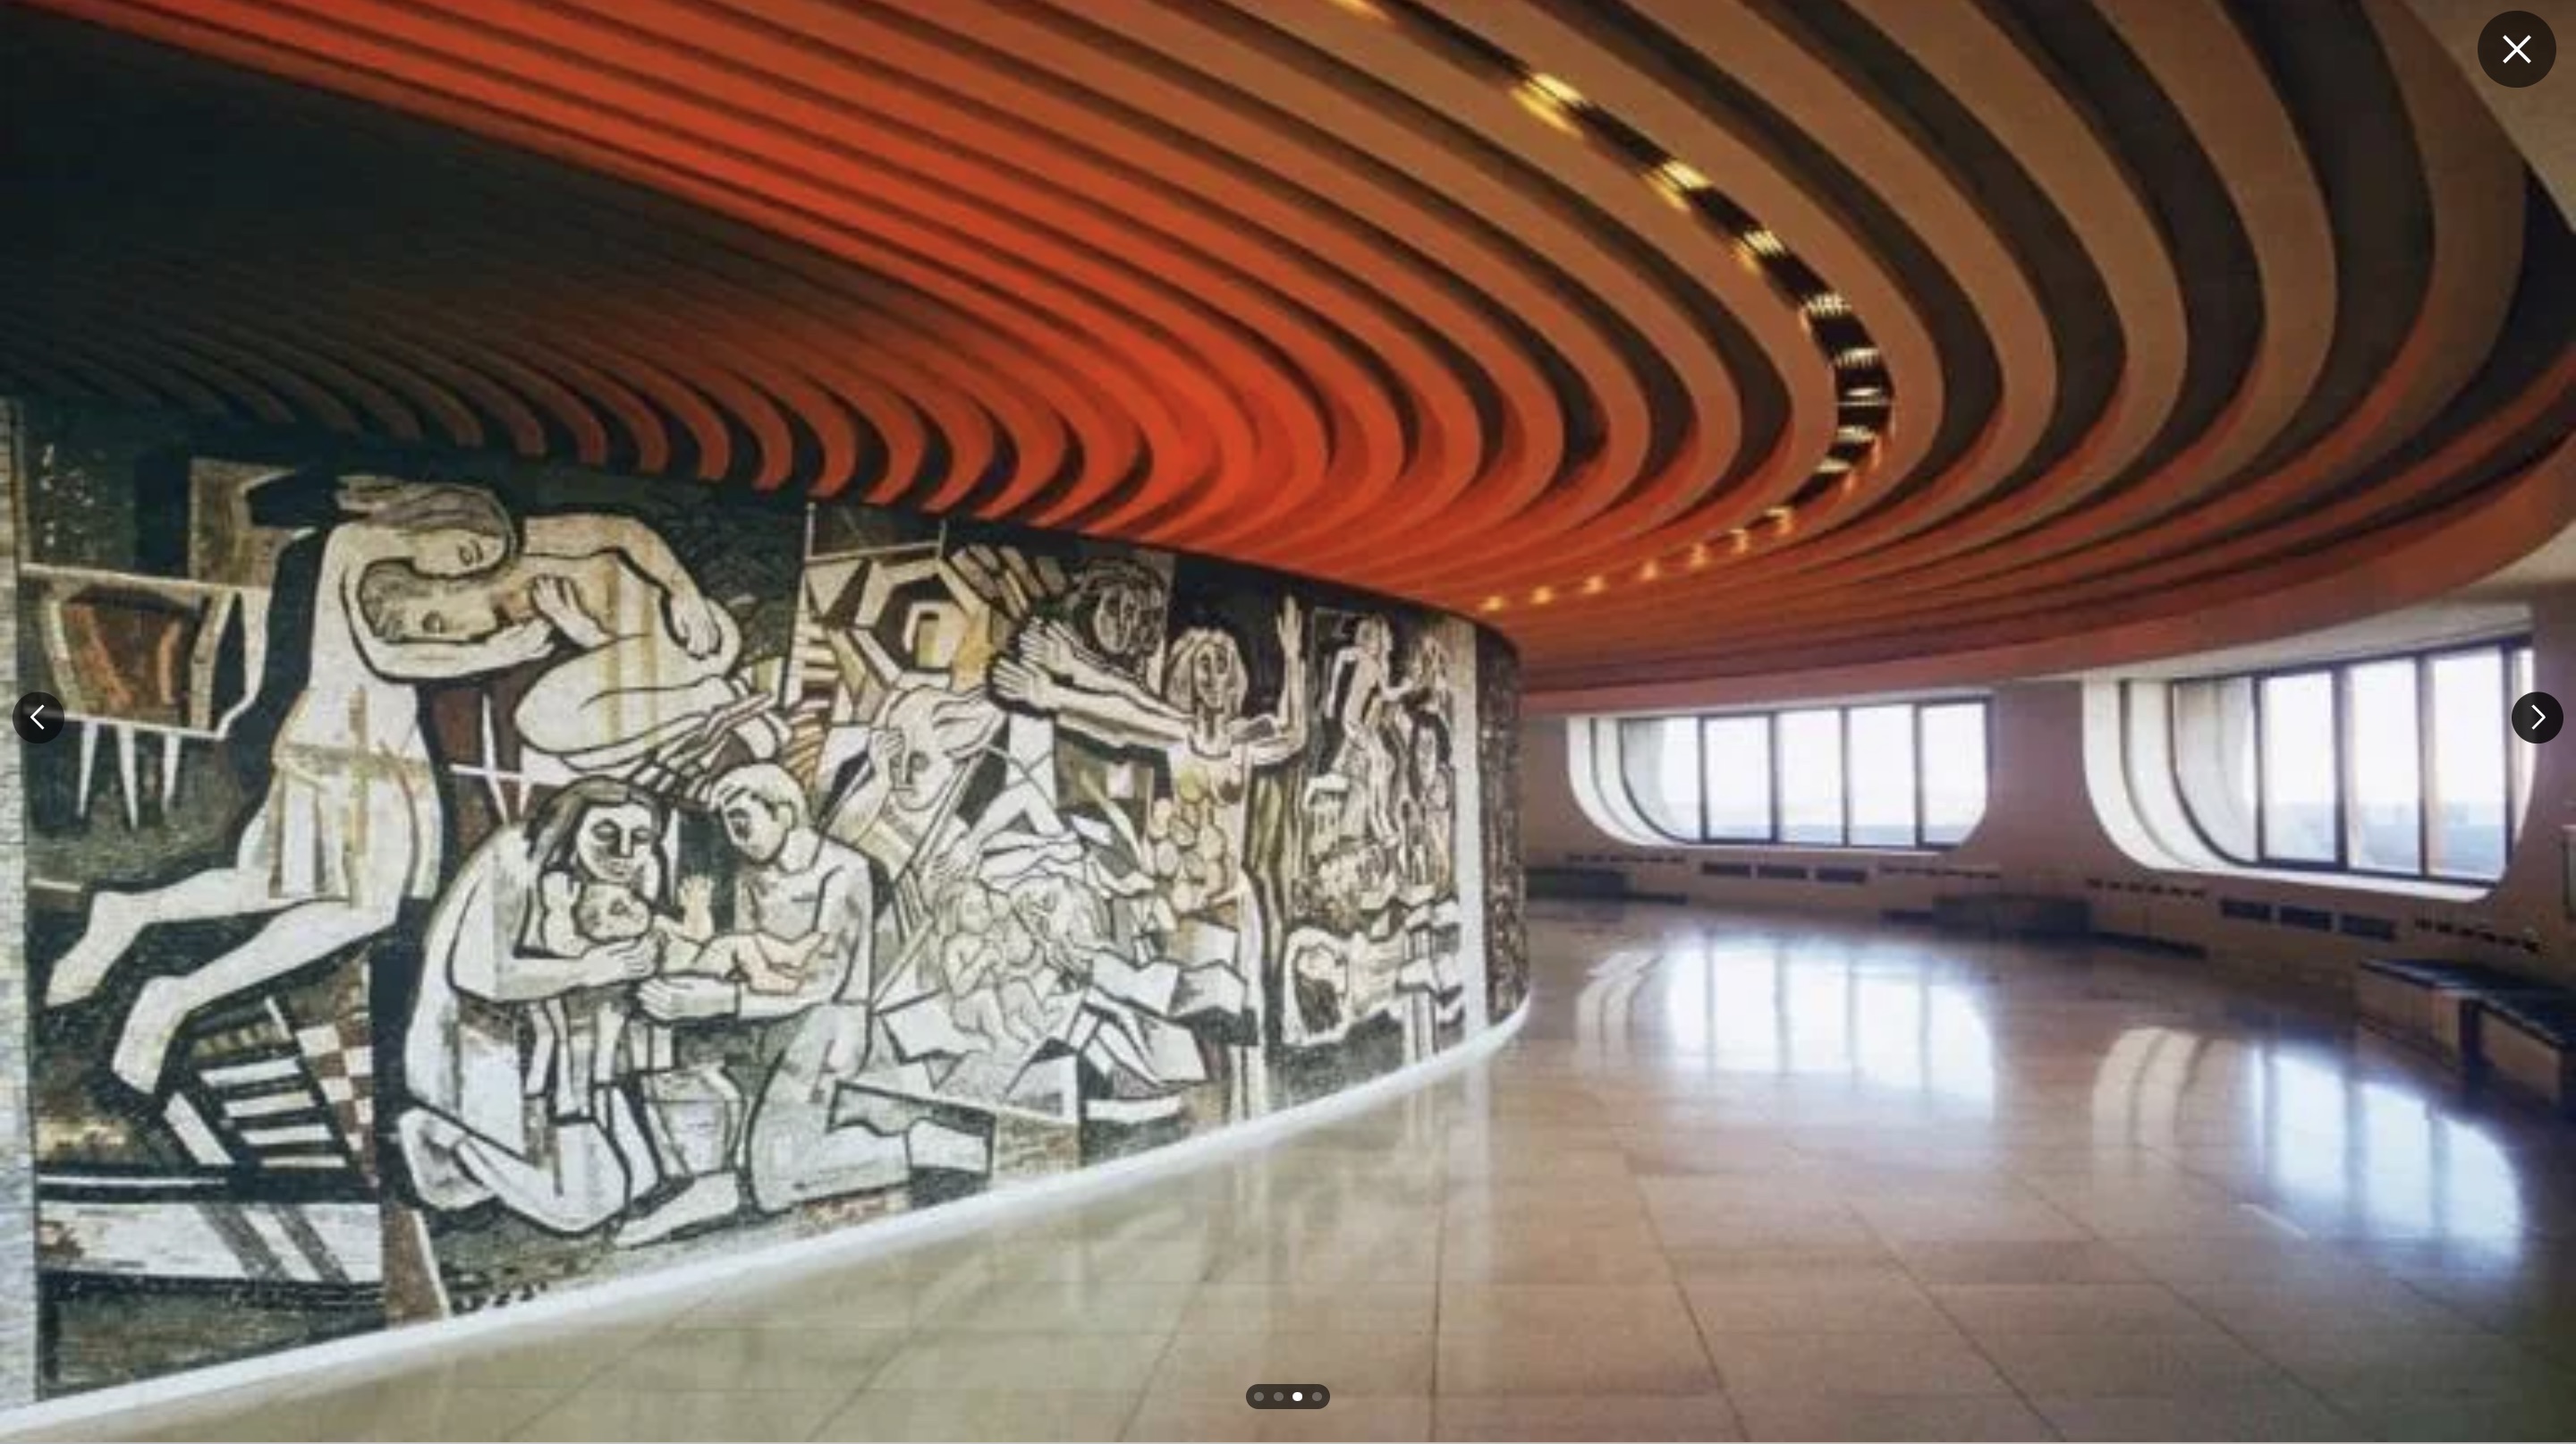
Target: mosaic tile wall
18	1345
466	879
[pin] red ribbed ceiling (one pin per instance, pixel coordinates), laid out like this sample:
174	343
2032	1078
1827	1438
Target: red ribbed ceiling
1685	340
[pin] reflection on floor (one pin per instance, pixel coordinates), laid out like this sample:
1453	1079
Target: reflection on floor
1779	1177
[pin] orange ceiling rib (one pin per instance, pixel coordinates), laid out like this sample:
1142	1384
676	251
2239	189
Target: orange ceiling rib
1691	342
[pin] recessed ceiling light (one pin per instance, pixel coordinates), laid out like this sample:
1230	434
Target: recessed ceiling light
1826	303
1555	89
1855	433
1682	176
1677	181
1542	596
1853	358
1762	243
1550	99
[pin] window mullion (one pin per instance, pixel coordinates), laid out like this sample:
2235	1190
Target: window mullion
1920	791
2262	823
1842	720
2504	778
1779	778
2338	728
1699	772
2425	787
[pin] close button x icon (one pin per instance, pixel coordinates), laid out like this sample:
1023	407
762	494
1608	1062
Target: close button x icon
2516	49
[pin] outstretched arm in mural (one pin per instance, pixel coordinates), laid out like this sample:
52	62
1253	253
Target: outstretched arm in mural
1052	646
1125	719
1274	739
695	624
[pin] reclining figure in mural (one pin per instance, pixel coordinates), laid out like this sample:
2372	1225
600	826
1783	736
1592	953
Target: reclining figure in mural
352	824
652	661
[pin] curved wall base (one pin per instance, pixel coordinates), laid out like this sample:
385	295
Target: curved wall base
890	1235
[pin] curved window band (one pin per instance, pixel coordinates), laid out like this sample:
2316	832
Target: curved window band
2459	726
1932	793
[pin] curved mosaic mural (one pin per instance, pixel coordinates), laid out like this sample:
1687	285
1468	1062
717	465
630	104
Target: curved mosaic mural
463	879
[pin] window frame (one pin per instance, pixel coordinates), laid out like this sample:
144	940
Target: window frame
2507	650
1612	757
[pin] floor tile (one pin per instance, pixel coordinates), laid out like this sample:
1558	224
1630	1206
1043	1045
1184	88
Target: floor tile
1312	1308
1822	1306
2343	1364
1222	1366
1018	1306
2085	1262
785	1358
1857	1417
2443	1417
2338	1305
951	1362
1546	1360
1346	1418
875	1299
1786	1262
1849	1364
1900	1220
615	1414
2242	1413
2144	1365
1983	1309
895	1415
1683	1228
1557	1259
383	1411
1587	1416
1568	1308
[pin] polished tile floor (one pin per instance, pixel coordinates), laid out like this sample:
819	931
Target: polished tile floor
1765	1177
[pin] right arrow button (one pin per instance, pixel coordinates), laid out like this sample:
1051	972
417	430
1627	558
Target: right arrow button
2537	717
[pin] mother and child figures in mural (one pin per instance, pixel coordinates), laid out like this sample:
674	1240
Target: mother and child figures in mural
978	837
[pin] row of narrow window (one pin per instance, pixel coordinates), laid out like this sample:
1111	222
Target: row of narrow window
2399	766
1893	775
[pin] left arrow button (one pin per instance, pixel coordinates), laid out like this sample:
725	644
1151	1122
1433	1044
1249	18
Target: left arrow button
40	717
